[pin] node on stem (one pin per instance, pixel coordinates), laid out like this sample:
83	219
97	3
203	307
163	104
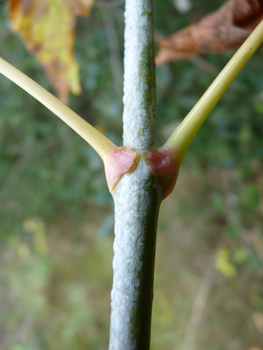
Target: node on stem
119	161
164	164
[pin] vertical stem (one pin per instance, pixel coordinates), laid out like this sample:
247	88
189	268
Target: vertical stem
137	201
137	196
139	120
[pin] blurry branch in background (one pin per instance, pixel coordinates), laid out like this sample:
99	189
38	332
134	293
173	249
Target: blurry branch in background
114	53
203	64
199	305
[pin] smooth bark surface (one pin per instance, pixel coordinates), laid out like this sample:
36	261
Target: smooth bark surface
138	195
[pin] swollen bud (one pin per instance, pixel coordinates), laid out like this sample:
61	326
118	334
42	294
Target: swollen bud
164	164
118	162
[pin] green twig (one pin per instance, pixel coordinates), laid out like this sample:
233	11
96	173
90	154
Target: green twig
181	138
99	142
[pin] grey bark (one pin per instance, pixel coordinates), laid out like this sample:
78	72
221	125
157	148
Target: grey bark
139	117
137	196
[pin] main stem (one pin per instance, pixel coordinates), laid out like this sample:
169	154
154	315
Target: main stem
137	196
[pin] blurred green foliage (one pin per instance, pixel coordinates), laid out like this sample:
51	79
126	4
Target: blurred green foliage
56	214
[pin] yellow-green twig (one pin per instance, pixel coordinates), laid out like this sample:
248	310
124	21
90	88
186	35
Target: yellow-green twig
99	142
181	138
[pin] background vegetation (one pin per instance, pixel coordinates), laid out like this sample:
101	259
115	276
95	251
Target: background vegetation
57	216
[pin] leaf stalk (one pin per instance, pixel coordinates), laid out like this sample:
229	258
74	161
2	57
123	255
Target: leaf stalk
97	140
181	138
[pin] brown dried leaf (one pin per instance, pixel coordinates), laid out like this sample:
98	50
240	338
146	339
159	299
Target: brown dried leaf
47	29
223	30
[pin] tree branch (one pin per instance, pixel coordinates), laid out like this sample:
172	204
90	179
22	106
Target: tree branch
137	196
139	120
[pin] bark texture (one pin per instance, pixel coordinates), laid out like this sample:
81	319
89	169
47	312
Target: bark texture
137	201
137	196
139	120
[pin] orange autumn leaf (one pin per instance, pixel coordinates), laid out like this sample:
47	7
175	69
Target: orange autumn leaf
223	30
47	28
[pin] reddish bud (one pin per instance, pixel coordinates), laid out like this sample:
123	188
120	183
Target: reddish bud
165	166
118	162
